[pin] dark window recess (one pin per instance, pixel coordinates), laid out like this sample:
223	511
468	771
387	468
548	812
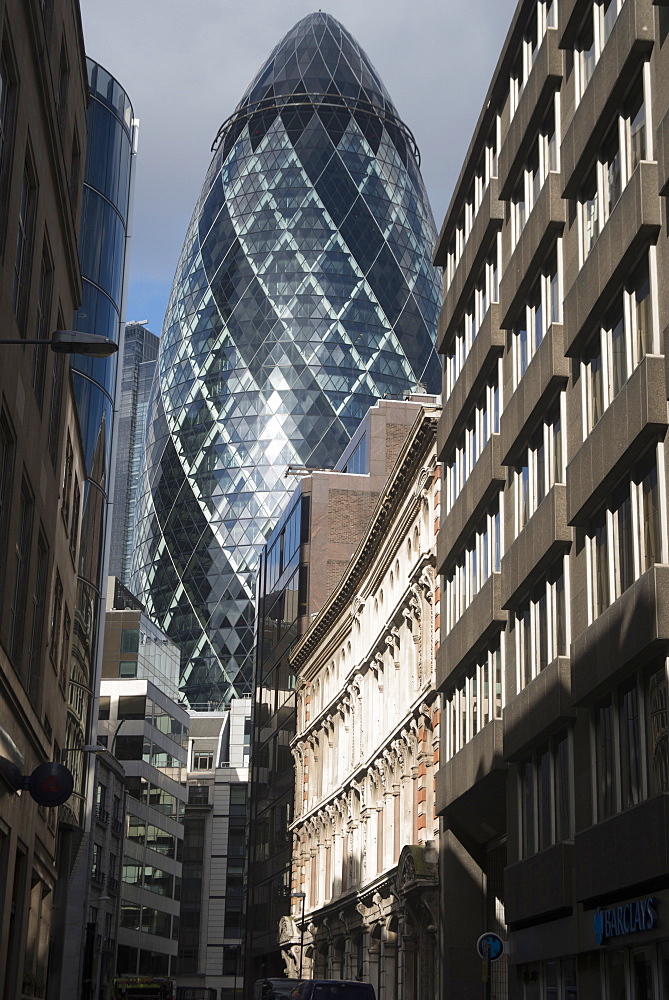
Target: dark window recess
131	707
129	747
302	590
304	518
198	795
130	640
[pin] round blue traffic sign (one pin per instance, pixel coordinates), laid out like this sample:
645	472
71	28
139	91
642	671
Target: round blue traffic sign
490	946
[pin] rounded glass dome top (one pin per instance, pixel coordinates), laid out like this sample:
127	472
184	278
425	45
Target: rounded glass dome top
305	291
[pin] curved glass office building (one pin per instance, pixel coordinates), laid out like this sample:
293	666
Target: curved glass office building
103	236
305	291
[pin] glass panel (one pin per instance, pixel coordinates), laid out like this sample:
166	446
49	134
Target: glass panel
642	975
595	386
560	617
131	707
590	213
624	546
619	371
652	539
529	796
611	162
643	315
585	47
551	981
562	789
521	347
616	970
130	640
544	800
630	746
542	628
601	567
658	732
569	981
605	761
636	114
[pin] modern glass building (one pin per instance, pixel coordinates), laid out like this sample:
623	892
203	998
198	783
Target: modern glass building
103	235
140	351
305	292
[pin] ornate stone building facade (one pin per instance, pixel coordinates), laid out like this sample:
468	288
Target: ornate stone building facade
367	748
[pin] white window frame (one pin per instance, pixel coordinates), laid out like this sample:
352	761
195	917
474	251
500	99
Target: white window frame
601	31
591	222
482	424
528	669
479	559
539	484
467	709
549	280
600	349
607	518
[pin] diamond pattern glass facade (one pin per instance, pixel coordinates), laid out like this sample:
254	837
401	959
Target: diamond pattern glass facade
304	292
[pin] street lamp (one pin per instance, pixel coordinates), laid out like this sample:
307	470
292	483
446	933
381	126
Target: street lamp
303	897
73	342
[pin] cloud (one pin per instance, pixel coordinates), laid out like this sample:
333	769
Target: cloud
186	64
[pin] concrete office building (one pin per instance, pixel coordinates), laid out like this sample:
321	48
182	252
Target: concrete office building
148	733
140	351
553	543
42	465
135	648
104	860
304	559
365	829
305	292
215	853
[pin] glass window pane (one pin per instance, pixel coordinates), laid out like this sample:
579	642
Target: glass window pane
658	732
605	761
544	799
529	795
562	789
652	539
630	745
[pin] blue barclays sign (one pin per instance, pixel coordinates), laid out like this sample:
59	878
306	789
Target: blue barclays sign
627	919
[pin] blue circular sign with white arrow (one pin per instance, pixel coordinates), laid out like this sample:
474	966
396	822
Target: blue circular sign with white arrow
490	946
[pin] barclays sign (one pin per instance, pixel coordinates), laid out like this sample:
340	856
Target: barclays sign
626	919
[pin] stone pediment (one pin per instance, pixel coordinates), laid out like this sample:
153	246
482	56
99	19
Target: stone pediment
415	871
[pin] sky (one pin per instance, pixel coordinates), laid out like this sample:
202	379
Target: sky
186	63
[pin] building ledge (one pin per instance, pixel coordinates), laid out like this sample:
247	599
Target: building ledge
488	346
544	79
477	626
546	374
487	224
471	787
544	224
543	540
539	885
542	708
633	630
623	852
635	418
633	224
630	42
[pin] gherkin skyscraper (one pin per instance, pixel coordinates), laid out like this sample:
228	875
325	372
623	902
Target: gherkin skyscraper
304	292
